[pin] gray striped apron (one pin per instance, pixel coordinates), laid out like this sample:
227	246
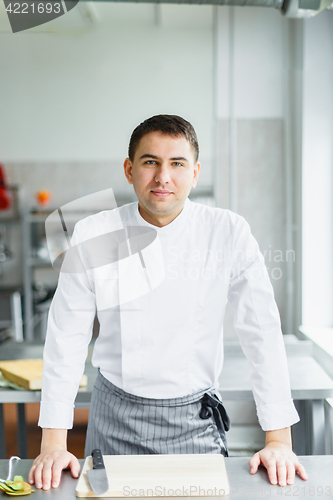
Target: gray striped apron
124	424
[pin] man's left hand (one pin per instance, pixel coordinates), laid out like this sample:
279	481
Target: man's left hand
280	461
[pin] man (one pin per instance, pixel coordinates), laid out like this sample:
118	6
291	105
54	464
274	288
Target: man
160	354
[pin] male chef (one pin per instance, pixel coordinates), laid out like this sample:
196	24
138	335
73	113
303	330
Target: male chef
160	353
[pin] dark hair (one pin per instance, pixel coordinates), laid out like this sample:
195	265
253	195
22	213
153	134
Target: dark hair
167	124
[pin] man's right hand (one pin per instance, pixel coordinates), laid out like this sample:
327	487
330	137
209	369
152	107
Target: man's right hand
54	457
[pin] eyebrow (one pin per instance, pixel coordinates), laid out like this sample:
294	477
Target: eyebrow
177	158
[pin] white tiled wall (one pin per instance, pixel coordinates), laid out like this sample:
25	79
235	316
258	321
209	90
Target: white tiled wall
261	192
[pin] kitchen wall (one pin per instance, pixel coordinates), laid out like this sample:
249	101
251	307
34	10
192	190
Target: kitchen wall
252	66
318	172
72	92
80	90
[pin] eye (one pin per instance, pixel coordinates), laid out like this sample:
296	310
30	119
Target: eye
177	164
150	162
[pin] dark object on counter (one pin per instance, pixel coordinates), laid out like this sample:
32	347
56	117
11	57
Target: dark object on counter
97	477
5	200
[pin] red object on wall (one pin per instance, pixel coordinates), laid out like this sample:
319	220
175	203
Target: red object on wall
5	200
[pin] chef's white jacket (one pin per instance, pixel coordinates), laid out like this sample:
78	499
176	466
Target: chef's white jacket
160	296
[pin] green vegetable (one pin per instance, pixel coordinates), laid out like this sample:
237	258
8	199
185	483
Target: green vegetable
18	487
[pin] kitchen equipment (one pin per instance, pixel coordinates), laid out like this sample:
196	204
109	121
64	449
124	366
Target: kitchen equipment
27	373
5	252
11	466
191	475
97	477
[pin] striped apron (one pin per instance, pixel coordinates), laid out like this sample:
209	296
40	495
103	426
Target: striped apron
124	424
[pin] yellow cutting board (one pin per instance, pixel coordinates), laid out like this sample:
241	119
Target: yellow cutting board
160	475
27	373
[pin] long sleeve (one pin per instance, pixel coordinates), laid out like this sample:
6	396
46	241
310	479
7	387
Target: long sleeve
257	324
68	335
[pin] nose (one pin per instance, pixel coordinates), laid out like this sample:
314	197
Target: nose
162	174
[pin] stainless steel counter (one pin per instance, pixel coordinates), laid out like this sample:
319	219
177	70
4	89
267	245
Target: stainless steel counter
242	483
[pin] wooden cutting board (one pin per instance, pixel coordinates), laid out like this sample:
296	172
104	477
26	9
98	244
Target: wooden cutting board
27	373
160	475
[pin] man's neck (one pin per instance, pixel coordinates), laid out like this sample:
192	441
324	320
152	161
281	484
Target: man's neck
155	220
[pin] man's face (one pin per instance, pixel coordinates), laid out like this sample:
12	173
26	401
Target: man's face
163	172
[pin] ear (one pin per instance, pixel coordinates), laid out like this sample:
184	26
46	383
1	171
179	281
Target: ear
196	174
128	170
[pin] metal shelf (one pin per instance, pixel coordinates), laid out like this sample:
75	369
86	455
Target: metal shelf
30	264
39	263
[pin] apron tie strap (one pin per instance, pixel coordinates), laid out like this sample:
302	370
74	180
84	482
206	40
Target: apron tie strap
212	406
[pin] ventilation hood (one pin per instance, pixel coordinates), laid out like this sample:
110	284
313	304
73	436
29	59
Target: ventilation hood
297	9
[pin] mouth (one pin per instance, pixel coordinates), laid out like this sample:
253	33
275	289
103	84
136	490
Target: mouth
161	193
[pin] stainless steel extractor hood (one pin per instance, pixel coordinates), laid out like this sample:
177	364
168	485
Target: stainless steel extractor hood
298	9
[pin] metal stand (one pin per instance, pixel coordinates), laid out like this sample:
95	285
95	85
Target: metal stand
309	434
22	443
